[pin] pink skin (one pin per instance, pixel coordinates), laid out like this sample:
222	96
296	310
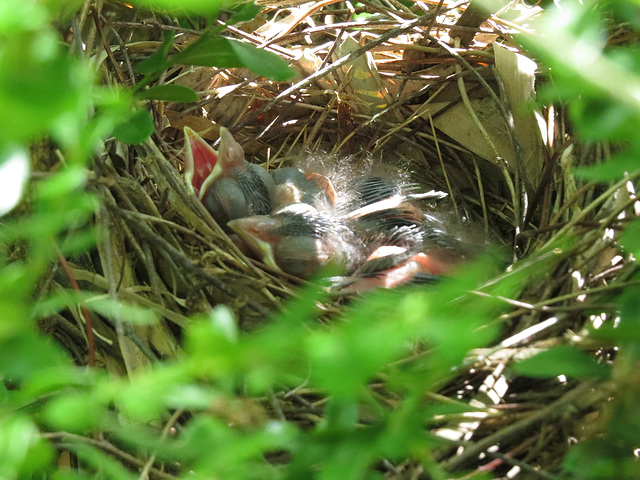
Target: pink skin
434	262
200	160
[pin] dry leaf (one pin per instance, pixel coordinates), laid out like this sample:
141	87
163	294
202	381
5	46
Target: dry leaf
517	73
363	83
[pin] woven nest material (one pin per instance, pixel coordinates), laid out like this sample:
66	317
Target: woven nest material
394	89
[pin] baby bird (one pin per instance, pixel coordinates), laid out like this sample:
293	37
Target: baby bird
372	229
389	267
233	187
295	186
299	240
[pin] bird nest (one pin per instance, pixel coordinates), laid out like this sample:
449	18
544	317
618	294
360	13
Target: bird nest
423	90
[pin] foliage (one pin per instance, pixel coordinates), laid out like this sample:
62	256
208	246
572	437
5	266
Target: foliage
599	83
50	407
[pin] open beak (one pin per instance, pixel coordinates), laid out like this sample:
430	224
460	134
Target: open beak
202	165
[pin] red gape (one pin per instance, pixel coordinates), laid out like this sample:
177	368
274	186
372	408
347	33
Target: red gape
200	160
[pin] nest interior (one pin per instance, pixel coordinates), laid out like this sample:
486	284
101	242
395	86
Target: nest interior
421	89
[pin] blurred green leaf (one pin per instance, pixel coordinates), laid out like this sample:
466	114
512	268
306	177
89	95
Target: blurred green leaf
169	93
630	238
344	358
190	396
53	190
613	169
599	118
562	360
136	129
625	331
238	455
212	344
627	12
109	467
600	459
145	399
60	202
58	300
29	105
24	353
78	242
224	322
18	17
22	452
47	381
115	309
363	17
74	412
273	356
39	455
68	474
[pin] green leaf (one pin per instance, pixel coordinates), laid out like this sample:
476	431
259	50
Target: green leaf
17	17
109	467
21	449
599	118
157	61
630	238
136	129
190	396
41	88
244	12
601	459
612	169
208	8
627	330
78	242
48	381
347	357
111	308
562	360
169	93
208	51
145	399
75	412
216	51
34	353
66	474
262	62
223	322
